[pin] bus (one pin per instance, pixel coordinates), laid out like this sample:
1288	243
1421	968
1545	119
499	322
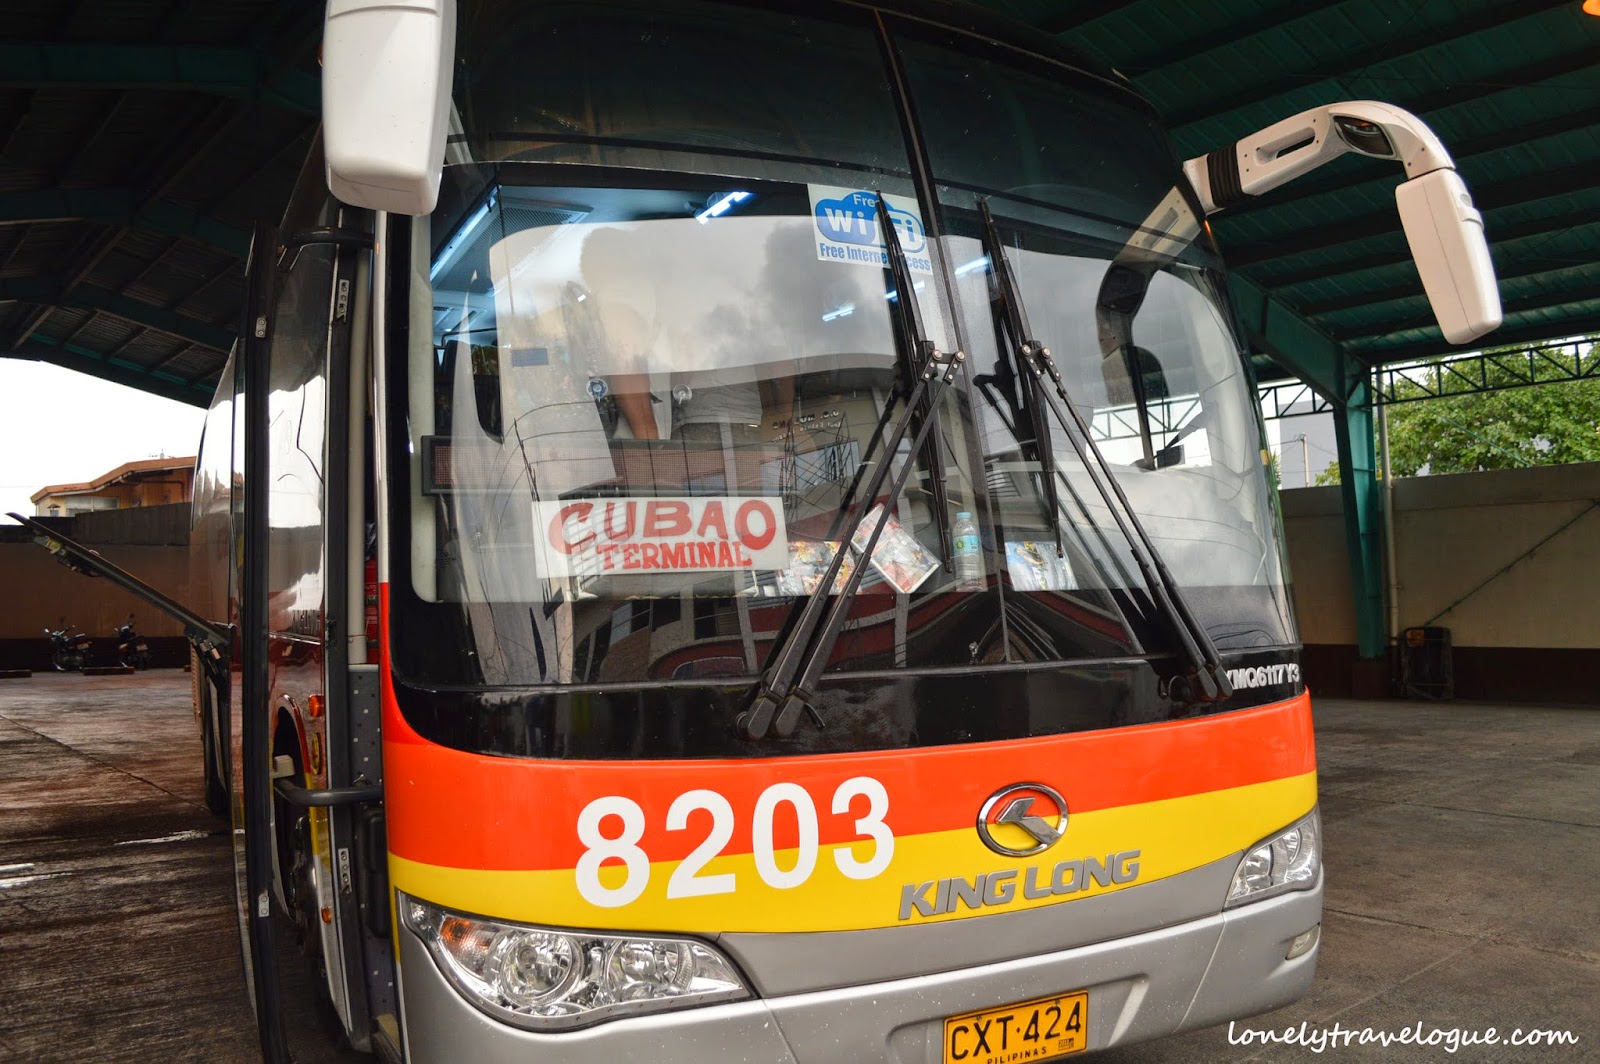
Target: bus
742	533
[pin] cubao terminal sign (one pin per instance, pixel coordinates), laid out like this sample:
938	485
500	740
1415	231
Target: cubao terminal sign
592	537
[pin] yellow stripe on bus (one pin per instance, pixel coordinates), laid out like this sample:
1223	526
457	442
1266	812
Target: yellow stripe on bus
1165	838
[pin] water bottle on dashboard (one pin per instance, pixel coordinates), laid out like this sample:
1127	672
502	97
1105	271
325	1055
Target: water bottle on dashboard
968	553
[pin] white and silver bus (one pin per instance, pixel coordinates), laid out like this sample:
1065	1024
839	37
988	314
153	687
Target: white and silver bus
748	537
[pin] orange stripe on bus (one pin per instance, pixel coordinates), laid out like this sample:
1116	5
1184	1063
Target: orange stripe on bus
1154	841
452	808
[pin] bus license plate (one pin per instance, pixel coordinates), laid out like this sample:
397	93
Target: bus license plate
1041	1029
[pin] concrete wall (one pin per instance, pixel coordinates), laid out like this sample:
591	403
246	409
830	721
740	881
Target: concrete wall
36	592
1530	634
1525	635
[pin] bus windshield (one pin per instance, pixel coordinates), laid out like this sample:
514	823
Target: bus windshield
651	354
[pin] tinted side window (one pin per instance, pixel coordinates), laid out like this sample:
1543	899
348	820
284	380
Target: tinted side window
297	412
211	513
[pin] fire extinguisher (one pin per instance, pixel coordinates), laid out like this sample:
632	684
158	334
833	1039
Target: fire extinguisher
371	594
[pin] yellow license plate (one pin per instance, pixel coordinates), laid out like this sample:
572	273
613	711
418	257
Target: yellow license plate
1041	1029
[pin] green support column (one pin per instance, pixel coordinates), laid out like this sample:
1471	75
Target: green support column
1316	358
1358	484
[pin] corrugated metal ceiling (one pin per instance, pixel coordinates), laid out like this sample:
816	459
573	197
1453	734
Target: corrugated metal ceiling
139	138
1511	86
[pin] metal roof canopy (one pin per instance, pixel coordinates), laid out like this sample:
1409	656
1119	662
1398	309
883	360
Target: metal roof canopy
139	139
1512	87
1321	274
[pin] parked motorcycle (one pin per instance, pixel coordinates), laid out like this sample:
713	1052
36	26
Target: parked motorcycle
131	647
68	648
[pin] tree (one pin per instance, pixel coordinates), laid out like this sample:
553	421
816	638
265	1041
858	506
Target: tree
1544	424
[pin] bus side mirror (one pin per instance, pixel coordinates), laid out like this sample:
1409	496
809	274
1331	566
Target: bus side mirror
1443	228
1445	232
386	79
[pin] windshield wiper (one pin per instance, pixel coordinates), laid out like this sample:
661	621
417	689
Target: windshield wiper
785	690
1207	679
1029	389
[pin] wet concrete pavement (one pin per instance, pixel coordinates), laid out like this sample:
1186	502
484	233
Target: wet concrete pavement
117	935
1463	845
1463	857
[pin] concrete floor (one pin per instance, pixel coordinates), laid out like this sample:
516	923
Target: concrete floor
1463	857
1463	845
117	935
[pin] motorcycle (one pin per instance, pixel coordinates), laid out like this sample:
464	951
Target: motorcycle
68	648
132	650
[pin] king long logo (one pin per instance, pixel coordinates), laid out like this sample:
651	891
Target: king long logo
1014	806
1021	820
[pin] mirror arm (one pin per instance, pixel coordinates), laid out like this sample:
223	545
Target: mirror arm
1299	144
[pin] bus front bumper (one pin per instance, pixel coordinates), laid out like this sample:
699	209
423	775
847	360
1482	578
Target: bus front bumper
1191	975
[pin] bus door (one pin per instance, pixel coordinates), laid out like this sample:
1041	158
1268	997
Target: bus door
314	904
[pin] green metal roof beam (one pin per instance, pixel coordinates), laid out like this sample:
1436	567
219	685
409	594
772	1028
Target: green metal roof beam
1381	177
1387	50
138	312
1291	341
234	72
1569	301
1516	80
169	217
1508	193
1499	236
73	357
1548	267
67	205
29	289
119	206
47	291
1533	255
1082	15
1315	358
1226	38
1506	335
1478	372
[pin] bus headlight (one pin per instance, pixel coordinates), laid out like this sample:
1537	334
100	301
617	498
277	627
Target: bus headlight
549	979
1287	861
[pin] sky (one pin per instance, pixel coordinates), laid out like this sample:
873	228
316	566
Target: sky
57	426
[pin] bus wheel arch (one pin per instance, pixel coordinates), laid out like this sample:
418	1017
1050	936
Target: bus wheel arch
214	779
285	815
